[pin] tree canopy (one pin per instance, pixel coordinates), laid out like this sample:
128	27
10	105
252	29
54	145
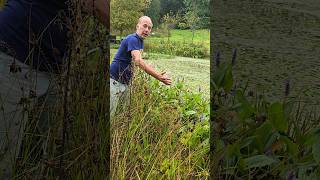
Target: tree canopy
125	14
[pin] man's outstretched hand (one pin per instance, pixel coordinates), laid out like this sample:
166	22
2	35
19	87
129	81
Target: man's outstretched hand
165	78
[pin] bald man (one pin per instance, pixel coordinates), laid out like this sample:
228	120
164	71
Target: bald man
130	53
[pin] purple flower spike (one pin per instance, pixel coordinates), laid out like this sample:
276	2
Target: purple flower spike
287	87
217	58
234	56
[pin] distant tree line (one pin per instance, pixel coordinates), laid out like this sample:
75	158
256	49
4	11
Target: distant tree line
182	14
180	8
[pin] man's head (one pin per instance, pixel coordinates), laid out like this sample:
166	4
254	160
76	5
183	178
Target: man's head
144	26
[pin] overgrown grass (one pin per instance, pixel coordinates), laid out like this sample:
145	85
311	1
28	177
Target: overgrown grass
73	141
160	132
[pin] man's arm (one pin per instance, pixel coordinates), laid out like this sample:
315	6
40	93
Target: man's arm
136	57
100	8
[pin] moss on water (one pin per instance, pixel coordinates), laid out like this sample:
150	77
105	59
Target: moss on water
277	40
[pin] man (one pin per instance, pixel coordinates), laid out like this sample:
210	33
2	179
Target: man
130	51
32	46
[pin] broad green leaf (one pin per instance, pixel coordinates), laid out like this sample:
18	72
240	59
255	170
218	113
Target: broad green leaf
223	77
277	118
245	108
259	161
188	113
228	79
292	147
263	134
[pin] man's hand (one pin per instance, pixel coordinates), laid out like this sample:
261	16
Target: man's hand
165	78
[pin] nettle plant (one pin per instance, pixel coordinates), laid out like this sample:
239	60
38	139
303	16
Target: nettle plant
252	137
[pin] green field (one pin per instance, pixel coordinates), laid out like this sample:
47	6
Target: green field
200	36
195	72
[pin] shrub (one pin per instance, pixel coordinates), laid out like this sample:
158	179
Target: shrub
183	25
194	50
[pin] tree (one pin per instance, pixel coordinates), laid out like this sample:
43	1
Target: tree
124	14
201	10
169	21
154	12
192	19
171	6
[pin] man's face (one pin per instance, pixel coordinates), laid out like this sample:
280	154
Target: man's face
144	28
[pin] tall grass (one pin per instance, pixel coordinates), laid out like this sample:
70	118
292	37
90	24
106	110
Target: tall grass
73	143
160	132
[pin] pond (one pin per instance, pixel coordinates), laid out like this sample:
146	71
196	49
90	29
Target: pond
277	40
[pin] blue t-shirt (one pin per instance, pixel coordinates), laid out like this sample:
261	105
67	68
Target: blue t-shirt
23	21
120	68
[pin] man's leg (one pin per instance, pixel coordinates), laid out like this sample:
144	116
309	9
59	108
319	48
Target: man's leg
116	91
20	86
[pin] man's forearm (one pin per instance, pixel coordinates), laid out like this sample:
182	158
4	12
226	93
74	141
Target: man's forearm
147	68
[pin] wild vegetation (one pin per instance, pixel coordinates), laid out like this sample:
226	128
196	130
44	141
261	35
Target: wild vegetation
160	132
71	139
253	137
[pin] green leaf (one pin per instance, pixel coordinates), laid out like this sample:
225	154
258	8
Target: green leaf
245	108
223	77
188	113
228	79
259	161
277	118
292	148
263	134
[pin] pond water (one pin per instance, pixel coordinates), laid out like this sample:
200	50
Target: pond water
277	40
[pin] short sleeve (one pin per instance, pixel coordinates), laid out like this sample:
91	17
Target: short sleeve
133	44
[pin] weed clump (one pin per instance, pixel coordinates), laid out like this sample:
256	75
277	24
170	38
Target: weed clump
160	132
